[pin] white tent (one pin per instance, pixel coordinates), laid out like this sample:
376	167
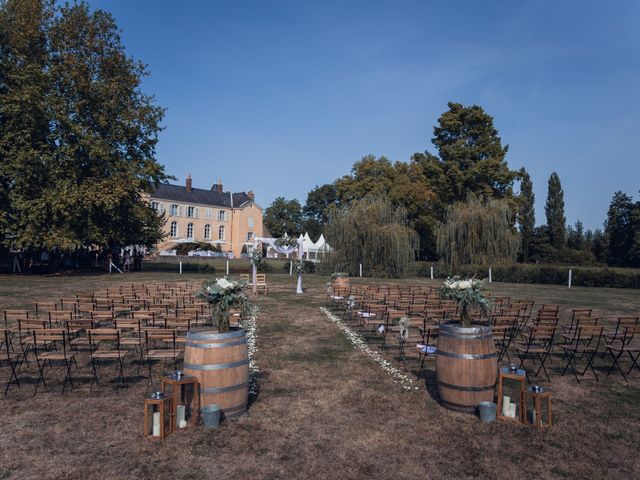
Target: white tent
312	249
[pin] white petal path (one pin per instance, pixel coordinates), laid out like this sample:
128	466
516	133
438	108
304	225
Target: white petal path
250	331
358	342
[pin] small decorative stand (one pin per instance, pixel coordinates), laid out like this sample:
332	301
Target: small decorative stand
157	416
511	385
184	403
537	403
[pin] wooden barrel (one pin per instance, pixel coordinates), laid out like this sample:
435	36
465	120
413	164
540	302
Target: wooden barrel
220	362
466	366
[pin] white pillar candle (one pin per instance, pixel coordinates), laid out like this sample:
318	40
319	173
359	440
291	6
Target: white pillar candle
512	410
182	424
533	417
506	400
156	424
180	415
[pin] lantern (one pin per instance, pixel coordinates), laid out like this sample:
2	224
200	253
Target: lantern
184	403
511	383
537	404
157	415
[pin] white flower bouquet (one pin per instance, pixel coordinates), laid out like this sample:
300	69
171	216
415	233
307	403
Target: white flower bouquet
286	241
256	255
223	294
467	294
298	266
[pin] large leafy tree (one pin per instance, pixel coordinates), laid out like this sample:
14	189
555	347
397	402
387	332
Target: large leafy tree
618	229
320	201
283	216
472	157
77	134
554	211
526	213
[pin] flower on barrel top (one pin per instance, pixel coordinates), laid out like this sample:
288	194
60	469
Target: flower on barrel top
466	293
336	275
222	295
286	241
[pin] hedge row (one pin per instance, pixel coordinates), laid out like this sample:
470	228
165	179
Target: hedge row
542	274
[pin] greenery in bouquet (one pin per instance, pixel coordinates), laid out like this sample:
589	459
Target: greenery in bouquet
466	293
222	295
285	241
256	255
298	266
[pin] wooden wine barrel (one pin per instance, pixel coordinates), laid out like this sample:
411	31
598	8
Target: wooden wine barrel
341	286
220	362
466	366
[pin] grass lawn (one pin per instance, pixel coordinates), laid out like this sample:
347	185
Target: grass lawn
324	409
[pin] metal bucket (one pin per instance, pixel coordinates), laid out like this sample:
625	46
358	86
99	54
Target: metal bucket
487	412
211	416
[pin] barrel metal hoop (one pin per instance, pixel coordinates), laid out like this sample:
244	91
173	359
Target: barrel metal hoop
467	356
204	335
457	407
225	389
216	366
466	389
483	336
217	345
239	413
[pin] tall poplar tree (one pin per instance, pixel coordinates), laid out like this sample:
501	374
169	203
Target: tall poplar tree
526	213
554	211
77	134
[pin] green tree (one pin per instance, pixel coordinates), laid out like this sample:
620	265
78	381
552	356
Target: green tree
283	216
576	236
478	231
634	234
554	211
618	229
77	135
472	156
372	232
316	211
526	213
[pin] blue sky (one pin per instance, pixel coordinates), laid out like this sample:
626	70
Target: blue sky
280	96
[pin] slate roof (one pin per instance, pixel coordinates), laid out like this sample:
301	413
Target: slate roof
200	196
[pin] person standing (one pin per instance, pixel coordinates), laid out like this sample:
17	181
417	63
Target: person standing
127	260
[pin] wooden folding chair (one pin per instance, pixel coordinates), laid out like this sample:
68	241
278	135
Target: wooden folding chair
14	359
585	344
261	283
537	347
55	338
98	338
628	344
161	345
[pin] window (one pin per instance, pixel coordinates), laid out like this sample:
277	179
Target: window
221	232
222	215
192	212
155	206
251	222
190	230
174	210
207	213
207	232
249	236
160	208
174	229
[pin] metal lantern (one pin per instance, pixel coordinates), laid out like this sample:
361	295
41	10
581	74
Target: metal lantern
511	385
185	399
157	415
537	404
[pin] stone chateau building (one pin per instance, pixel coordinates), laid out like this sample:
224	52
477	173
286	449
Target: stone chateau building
212	216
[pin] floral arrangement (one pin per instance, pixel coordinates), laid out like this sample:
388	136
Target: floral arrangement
286	241
336	275
223	294
256	255
298	266
467	294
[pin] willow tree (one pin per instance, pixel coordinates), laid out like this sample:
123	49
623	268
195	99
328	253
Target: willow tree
374	233
479	231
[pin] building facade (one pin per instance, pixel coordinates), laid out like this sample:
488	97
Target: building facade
214	216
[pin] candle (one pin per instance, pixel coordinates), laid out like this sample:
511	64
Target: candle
512	410
180	415
182	424
506	400
156	424
533	417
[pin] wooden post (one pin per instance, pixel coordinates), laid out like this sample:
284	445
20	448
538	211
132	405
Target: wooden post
490	279
431	272
570	275
227	267
180	267
290	268
360	270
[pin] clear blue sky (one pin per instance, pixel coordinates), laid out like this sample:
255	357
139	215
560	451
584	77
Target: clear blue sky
280	96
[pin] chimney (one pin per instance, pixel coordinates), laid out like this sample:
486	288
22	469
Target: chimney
188	183
251	195
219	186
